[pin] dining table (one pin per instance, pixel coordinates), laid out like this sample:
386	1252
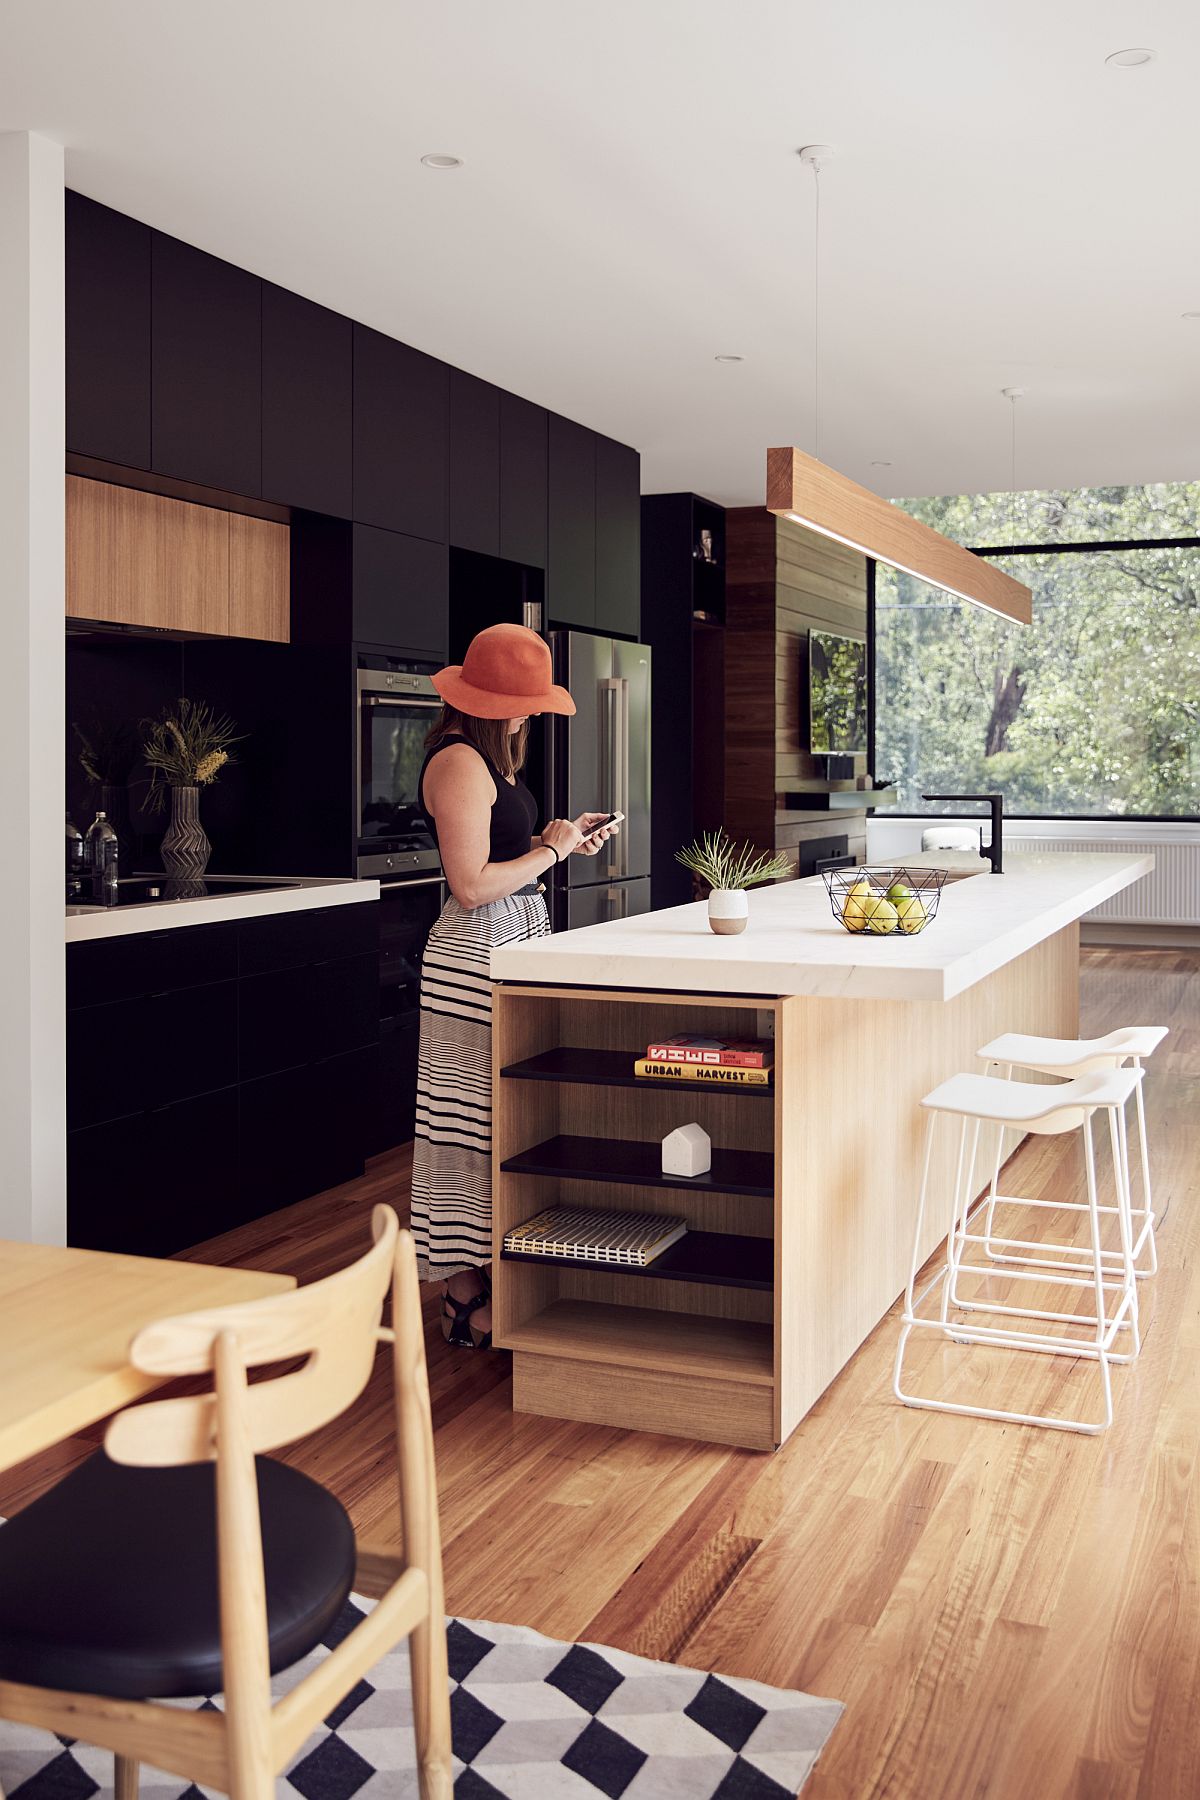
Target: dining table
67	1318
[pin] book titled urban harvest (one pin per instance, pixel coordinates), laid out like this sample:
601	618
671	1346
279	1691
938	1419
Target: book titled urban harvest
732	1062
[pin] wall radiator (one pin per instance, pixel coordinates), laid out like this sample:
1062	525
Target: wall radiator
1169	895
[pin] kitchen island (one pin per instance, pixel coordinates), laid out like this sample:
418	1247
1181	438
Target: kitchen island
799	1237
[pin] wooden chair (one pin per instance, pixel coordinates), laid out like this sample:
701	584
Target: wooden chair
261	1590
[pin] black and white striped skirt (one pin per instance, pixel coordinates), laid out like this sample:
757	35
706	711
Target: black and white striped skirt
452	1154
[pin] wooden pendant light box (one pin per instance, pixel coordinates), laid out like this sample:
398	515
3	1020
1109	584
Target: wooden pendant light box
816	496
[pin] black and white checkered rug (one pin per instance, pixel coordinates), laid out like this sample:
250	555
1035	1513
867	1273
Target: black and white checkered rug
533	1719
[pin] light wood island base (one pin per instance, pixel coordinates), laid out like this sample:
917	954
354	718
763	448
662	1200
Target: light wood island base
824	1168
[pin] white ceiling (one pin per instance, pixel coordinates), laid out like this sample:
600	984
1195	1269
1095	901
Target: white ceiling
1003	208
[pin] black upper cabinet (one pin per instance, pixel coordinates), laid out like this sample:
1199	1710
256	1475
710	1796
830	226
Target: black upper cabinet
474	464
401	592
307	395
108	333
618	533
523	436
207	369
401	433
571	535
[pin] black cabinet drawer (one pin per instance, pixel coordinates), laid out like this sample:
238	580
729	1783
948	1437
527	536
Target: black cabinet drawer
571	524
108	333
393	1117
150	962
130	1055
108	1059
307	391
618	539
523	475
341	1090
474	464
295	1016
401	433
288	940
401	588
207	369
157	1182
191	1042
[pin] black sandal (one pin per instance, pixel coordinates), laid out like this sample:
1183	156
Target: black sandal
457	1328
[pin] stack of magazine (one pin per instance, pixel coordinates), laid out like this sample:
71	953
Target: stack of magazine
728	1062
594	1234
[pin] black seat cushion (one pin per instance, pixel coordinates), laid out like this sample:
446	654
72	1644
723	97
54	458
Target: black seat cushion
108	1583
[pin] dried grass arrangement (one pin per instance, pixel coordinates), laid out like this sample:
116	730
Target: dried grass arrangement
187	747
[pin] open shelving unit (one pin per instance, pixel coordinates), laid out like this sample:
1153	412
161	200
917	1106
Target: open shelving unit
688	1345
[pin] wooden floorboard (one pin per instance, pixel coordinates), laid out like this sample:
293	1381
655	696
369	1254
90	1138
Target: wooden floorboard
1006	1612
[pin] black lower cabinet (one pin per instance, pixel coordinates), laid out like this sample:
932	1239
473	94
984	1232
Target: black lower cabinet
394	1119
195	1107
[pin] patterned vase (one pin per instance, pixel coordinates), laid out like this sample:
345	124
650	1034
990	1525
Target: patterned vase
185	848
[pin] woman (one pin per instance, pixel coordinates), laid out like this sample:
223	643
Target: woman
482	816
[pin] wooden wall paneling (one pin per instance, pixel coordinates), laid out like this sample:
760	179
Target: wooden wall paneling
847	1201
259	579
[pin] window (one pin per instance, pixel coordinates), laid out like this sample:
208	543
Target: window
1092	711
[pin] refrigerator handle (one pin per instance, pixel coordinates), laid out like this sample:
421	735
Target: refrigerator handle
620	843
611	758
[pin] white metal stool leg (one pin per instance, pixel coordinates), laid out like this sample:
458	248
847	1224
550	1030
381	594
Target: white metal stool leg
1110	1275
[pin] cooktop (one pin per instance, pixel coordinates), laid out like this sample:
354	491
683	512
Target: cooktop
144	890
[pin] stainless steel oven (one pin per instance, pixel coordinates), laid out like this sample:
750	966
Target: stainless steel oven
395	711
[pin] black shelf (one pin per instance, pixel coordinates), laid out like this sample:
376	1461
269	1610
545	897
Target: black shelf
713	1258
636	1164
614	1068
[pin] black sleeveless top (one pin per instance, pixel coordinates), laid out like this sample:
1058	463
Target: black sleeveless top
514	812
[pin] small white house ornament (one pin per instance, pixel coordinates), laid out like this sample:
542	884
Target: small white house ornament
687	1151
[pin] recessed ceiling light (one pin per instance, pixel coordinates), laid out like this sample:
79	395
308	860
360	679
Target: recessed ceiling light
881	465
728	357
1190	315
439	160
1128	59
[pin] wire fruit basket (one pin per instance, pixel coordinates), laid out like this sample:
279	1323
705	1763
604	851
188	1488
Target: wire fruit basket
884	902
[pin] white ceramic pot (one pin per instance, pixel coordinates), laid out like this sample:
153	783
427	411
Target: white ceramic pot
728	910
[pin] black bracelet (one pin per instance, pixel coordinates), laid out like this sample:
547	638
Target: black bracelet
553	851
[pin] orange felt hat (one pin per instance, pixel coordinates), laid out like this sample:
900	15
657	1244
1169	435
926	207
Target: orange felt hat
506	674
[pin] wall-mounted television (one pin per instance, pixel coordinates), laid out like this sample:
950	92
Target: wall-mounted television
837	694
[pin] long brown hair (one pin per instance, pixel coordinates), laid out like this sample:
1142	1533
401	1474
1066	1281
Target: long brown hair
505	749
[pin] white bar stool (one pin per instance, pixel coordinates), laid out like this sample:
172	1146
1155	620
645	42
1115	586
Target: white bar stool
977	1100
1068	1058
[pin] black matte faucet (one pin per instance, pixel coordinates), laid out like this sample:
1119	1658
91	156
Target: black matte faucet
995	850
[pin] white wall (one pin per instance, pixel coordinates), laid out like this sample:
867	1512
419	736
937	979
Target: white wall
32	454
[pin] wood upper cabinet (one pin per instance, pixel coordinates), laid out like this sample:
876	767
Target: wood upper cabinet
401	437
618	535
571	534
523	446
141	559
307	396
474	464
207	369
259	576
108	333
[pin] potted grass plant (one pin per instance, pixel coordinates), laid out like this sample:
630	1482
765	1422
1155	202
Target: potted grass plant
728	869
186	749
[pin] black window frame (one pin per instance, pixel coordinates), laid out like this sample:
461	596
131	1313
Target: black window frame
1092	547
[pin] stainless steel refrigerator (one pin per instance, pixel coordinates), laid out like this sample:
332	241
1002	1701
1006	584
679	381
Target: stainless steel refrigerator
599	761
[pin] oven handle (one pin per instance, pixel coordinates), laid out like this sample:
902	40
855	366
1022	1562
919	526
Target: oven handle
415	881
399	700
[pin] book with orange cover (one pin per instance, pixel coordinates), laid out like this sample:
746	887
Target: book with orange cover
737	1053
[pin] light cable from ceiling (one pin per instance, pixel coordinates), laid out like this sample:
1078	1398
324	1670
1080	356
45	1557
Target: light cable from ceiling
1012	395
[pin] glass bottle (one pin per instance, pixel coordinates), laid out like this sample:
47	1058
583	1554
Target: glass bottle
76	863
102	860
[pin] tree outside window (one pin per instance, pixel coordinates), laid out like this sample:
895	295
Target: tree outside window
1094	709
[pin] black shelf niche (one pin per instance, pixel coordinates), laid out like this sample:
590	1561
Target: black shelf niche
712	1258
632	1163
613	1068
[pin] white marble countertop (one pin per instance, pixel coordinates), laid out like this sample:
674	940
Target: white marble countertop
270	894
793	944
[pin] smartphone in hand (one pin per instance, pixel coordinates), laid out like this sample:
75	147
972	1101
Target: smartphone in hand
613	818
